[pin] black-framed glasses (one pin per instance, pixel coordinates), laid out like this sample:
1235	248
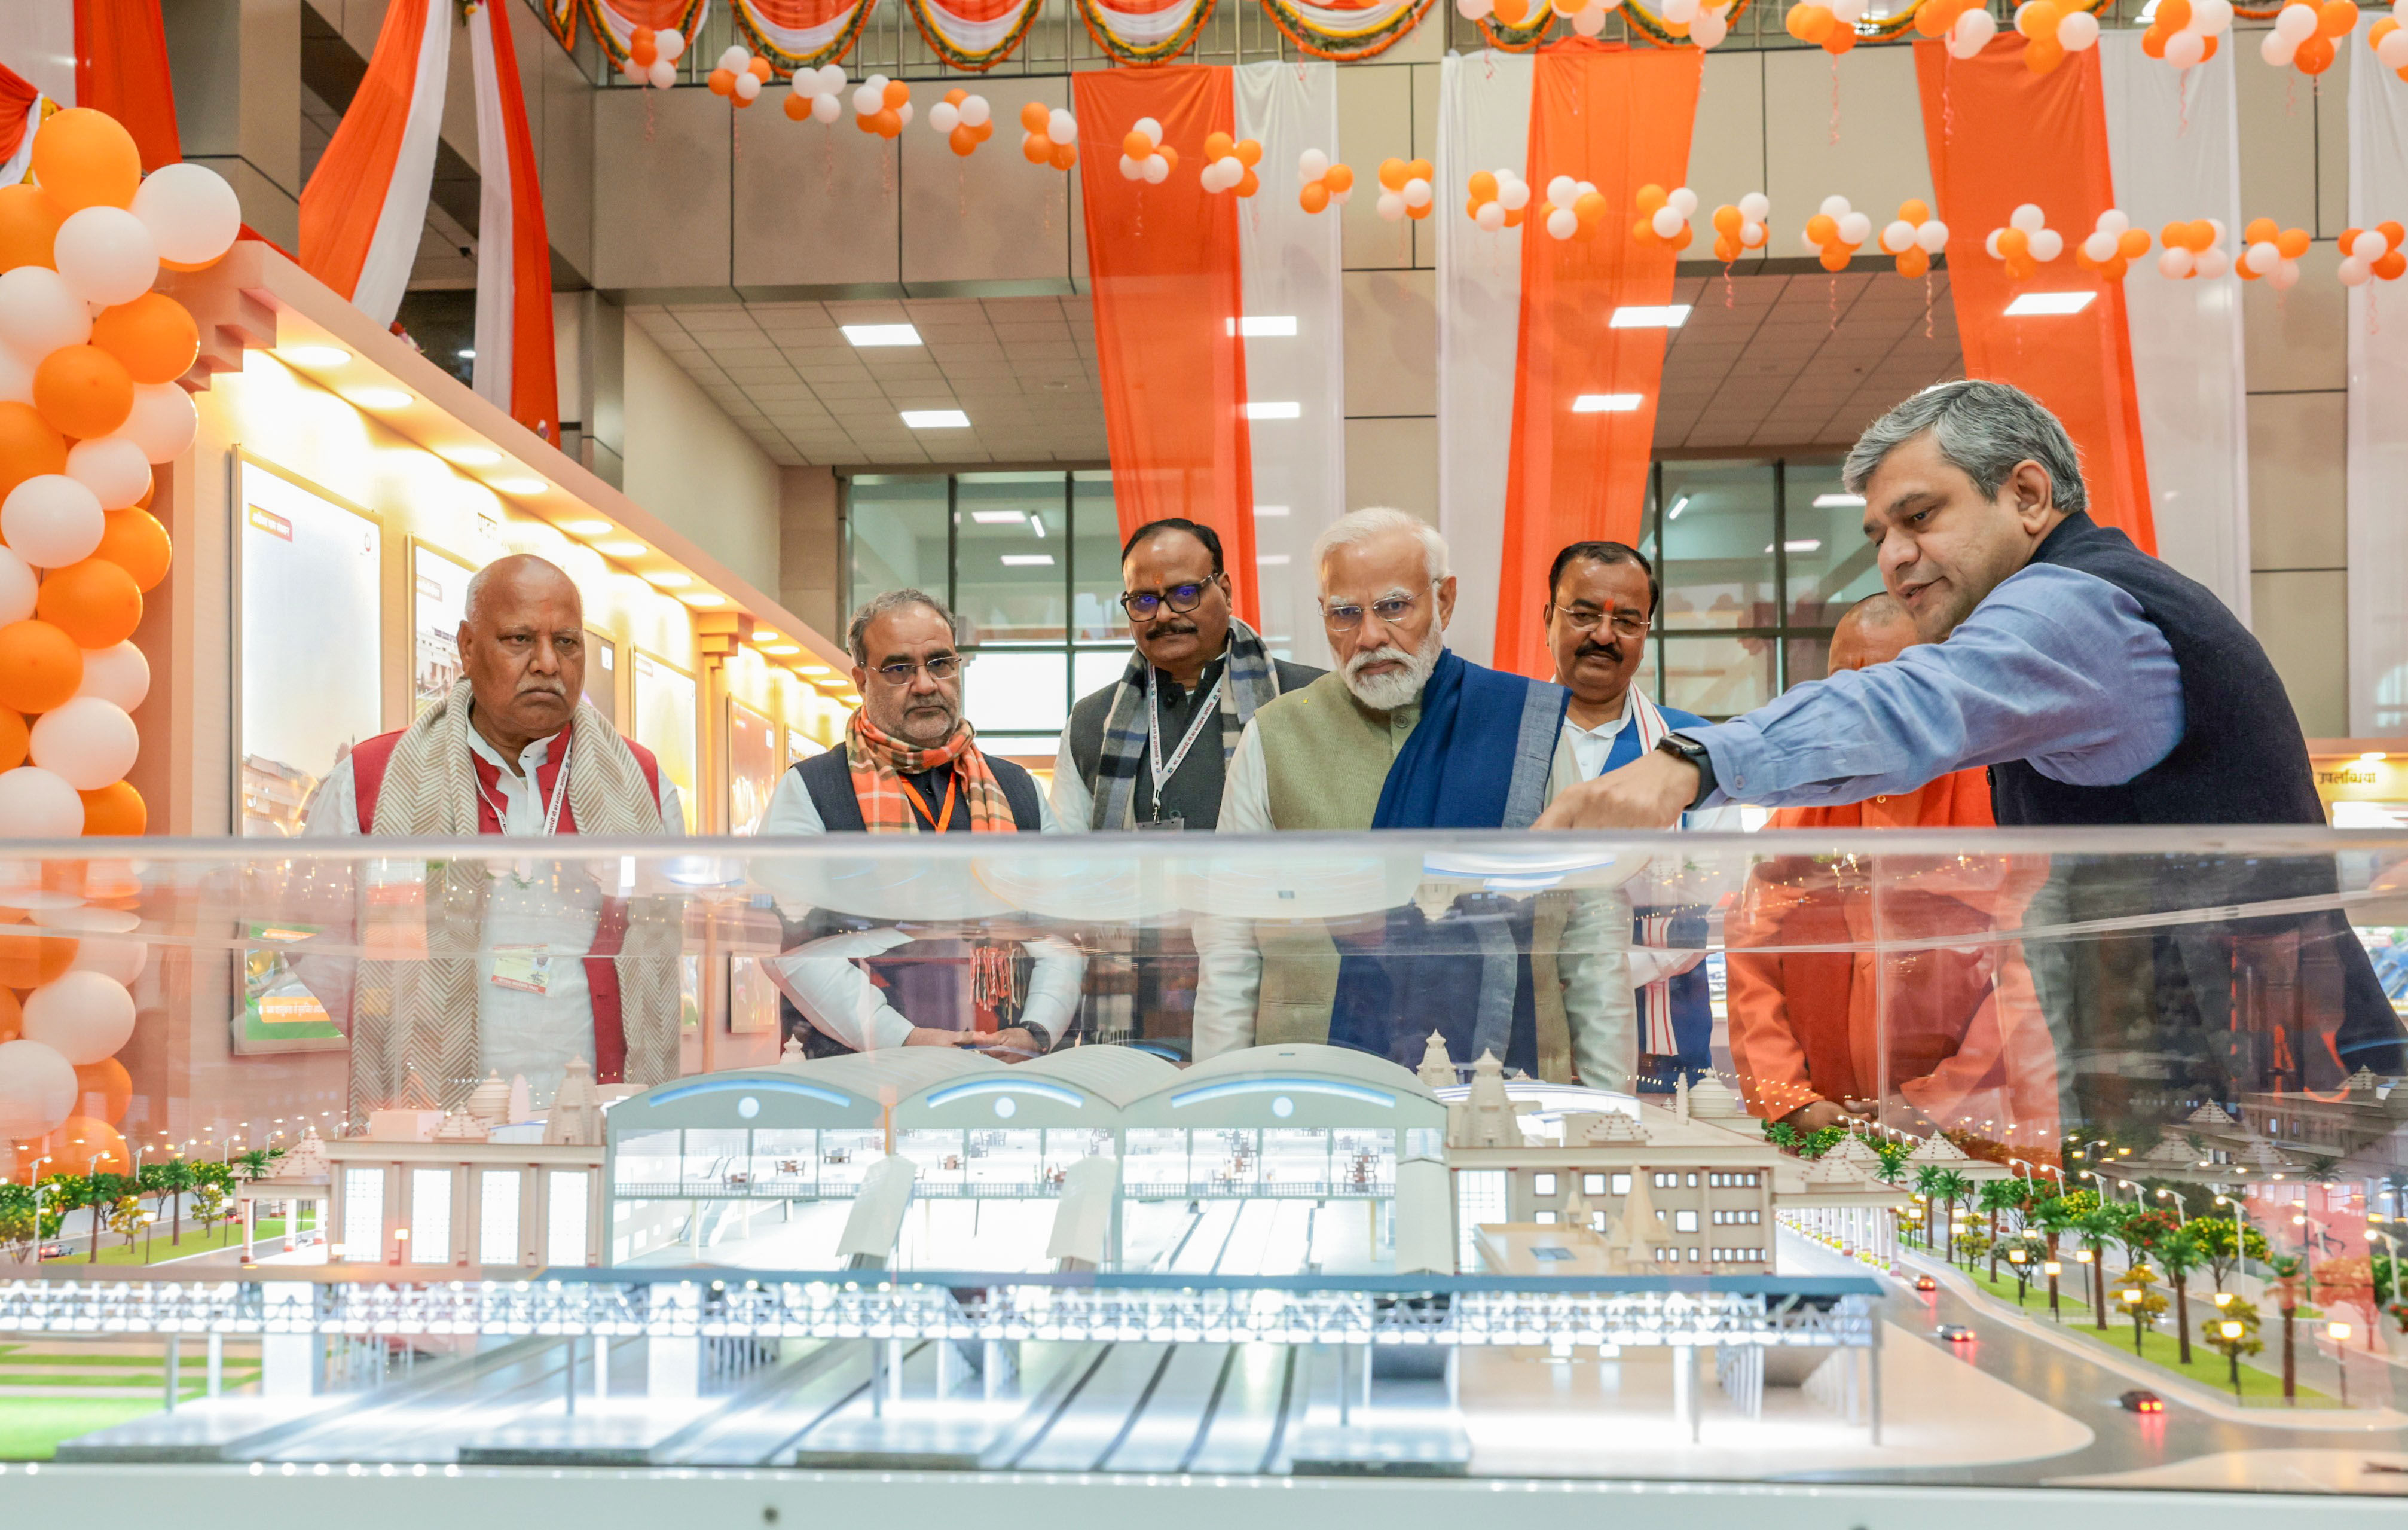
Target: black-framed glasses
944	666
1144	604
1390	609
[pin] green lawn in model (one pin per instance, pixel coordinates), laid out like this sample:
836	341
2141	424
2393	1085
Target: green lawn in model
269	1239
2208	1367
32	1427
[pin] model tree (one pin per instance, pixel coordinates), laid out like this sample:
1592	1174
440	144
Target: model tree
2288	1270
2181	1254
2137	1294
1998	1197
2233	1333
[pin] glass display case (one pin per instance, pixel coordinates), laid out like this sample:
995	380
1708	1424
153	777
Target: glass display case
2006	1160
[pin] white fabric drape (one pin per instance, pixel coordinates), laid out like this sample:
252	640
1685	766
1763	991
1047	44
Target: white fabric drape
1484	123
384	275
2173	141
1290	263
496	249
2378	417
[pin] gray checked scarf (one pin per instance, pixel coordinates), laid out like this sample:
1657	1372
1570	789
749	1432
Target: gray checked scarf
1248	681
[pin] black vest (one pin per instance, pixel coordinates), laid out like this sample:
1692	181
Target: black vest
830	784
2242	758
1193	794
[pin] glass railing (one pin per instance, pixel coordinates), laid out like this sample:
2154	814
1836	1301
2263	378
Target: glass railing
1969	1158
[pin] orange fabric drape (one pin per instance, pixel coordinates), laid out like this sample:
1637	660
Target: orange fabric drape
534	385
1620	120
1999	136
344	200
1164	263
122	69
17	98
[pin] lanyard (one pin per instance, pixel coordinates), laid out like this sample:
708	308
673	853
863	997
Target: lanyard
941	820
551	813
1205	708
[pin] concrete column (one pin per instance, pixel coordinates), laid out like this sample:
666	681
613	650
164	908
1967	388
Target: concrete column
237	69
217	1364
811	543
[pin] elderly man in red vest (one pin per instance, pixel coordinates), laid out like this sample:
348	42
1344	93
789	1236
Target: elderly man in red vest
528	966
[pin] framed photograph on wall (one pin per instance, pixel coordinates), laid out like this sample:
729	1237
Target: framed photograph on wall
666	710
438	584
753	766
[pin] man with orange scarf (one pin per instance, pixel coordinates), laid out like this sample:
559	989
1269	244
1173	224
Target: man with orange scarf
1954	1035
910	765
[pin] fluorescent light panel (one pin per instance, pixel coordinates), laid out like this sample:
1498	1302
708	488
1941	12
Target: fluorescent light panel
1276	409
314	355
1646	316
1810	545
1606	403
866	336
998	518
1263	325
1837	502
1028	560
935	419
2048	305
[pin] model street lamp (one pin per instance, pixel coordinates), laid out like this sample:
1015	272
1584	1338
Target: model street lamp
2339	1333
2052	1269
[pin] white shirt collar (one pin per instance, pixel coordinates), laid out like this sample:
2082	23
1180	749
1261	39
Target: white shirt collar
1609	729
531	759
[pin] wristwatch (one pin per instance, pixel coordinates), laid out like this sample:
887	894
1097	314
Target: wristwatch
1682	747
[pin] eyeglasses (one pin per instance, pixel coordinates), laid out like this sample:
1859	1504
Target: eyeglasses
1625	623
1144	604
944	666
1390	609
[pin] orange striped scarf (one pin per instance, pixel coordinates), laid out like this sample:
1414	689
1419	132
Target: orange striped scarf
880	762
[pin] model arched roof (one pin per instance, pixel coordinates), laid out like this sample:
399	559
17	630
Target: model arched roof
1299	1084
1333	1062
1118	1074
890	1073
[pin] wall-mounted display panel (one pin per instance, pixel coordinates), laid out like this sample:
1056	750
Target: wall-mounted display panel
602	676
753	766
438	584
666	709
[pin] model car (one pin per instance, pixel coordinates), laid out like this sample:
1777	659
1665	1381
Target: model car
2142	1400
1924	1282
1955	1333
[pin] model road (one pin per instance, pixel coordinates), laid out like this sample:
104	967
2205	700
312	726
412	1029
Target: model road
2079	1388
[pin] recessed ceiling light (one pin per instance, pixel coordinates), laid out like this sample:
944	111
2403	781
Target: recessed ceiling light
815	671
620	549
1813	545
1678	506
380	398
467	355
866	336
1259	326
524	486
935	419
1275	409
998	518
1028	560
1644	316
1606	403
314	355
585	528
703	597
782	650
469	456
668	581
1837	502
2048	305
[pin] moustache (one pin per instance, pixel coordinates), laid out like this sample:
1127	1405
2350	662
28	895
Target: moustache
558	691
1612	652
1174	629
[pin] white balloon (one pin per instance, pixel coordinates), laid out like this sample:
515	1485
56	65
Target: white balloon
1472	10
1157	169
82	1016
52	520
2296	24
1990	244
2273	48
904	113
734	57
1835	206
2113	222
2213	263
17	588
633	71
2100	247
1666	223
826	109
662	76
1061	126
107	256
118	674
192	213
1589	21
2284	275
747	86
1563	224
1751	233
1682	201
112	467
1755	207
2210	18
37	1089
1312	165
2076	31
39	312
2355	272
2264	256
1132	169
2371	245
1391	207
2176	263
2047	245
2392	51
2216	226
1233	170
975	111
1417	192
1710	29
1561	189
1897	236
38	805
2184	49
1491	217
1974	30
119	959
806	84
944	117
1855	228
831	78
670	44
2028	218
1514	194
1849	12
867	100
164	421
1150	128
86	742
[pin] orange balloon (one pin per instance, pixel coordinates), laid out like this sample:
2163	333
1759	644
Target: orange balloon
1249	184
962	140
1217	145
1137	146
1314	198
2213	44
1249	152
1421	170
1169	155
1394	174
2039	19
2014	244
2152	42
1841	40
153	335
1728	220
29	957
28	447
888	124
29	226
1815	23
796	107
1036	147
82	391
84	159
2315	56
1589	207
2391	265
16	739
1651	196
896	93
134	542
93	602
1822	228
1911	262
2337	18
2390	228
40	666
1340	178
2042	55
1512	12
104	1090
1915	210
1036	117
2132	244
1482	187
2259	230
1064	155
83	1145
1835	258
116	808
2173	15
723	82
759	67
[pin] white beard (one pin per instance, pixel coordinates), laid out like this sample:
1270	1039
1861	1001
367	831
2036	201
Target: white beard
1397	688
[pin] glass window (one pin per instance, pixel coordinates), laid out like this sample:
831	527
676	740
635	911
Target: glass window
999	1157
645	1162
846	1154
715	1160
430	1216
1096	614
896	528
1592	1184
1154	1156
1542	1184
1294	1157
936	1154
1718	676
1622	1184
364	1214
1718	527
1231	1157
1479	1197
1364	1160
565	1242
498	1217
1009	691
1065	1145
783	1161
1829	565
1011	549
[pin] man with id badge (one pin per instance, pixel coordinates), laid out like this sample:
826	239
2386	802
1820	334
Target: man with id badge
531	962
910	764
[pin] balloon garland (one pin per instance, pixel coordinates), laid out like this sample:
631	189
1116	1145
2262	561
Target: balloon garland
1740	227
2110	247
1913	236
2373	254
1048	135
1320	182
965	120
1229	165
1835	231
